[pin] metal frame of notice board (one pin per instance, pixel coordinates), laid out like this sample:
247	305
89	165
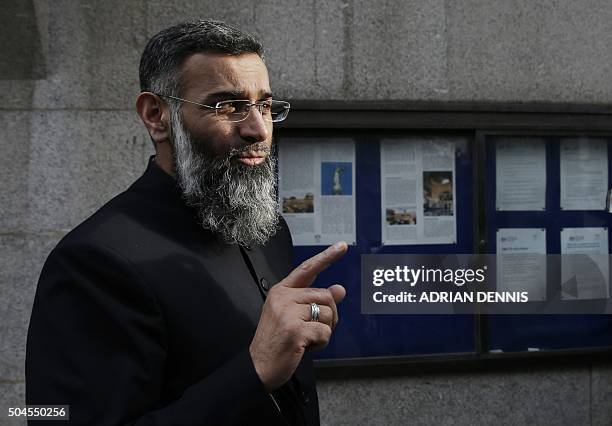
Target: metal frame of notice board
366	122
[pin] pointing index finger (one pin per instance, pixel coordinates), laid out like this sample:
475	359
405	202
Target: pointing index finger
304	275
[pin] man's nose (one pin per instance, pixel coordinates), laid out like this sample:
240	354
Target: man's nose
254	128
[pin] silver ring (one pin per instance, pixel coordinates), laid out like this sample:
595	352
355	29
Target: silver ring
314	312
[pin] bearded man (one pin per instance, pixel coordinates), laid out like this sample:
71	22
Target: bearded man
161	308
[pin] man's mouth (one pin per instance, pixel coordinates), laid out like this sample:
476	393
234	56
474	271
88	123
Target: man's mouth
252	158
251	161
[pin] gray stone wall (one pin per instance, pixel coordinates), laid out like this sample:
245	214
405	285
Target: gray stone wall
70	140
561	397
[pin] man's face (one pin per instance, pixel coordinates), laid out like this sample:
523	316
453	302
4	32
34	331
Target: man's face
210	78
224	168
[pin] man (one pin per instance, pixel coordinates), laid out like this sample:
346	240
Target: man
152	311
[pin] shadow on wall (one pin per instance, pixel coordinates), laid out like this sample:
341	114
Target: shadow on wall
20	44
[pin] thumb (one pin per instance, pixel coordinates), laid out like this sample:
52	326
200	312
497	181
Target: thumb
338	292
305	274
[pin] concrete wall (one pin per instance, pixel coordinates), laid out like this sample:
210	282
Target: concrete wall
70	140
571	396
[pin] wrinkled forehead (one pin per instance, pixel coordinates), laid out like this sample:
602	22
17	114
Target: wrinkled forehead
205	73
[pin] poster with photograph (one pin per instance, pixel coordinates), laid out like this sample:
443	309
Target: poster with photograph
584	173
585	269
520	174
418	191
521	261
316	185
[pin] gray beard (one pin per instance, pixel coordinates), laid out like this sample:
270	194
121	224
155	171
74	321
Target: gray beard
234	201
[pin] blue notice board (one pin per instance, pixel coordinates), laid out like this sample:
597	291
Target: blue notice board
544	332
358	335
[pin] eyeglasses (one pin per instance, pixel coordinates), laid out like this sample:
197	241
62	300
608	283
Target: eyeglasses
238	110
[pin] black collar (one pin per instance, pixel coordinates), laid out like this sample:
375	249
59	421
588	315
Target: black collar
156	180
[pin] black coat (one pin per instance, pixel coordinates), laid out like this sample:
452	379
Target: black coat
142	317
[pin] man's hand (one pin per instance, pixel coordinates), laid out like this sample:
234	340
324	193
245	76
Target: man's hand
285	329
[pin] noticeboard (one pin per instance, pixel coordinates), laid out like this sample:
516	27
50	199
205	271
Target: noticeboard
361	335
547	332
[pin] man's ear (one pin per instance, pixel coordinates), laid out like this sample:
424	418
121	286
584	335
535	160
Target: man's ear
155	115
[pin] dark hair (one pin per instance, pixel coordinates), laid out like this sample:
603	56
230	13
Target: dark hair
166	51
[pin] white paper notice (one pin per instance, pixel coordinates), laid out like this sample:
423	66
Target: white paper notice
521	261
418	191
584	174
316	189
520	174
585	272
